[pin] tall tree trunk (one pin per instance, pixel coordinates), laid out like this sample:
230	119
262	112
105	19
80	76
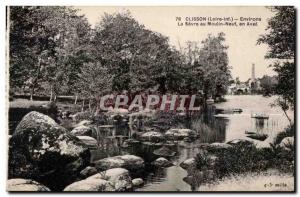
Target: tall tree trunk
51	92
76	97
35	79
82	108
90	105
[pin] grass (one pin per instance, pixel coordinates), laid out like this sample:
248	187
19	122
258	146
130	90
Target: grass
242	158
270	180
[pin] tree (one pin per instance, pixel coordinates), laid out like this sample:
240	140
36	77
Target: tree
268	84
138	58
48	44
280	38
214	61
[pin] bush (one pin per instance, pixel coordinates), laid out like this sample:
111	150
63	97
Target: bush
240	159
288	132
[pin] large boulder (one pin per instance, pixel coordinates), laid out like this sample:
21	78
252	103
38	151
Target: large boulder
287	143
180	134
162	162
129	162
236	142
20	107
25	185
88	141
91	185
164	151
189	163
83	123
152	136
88	171
42	150
118	177
82	131
217	146
137	182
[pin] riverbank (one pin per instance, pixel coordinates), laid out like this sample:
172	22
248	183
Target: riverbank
270	180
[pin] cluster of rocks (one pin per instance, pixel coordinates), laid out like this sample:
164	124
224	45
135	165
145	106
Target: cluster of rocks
170	135
44	156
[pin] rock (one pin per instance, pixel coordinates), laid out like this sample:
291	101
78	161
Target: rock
42	150
218	147
180	134
258	136
239	142
88	141
131	142
83	123
162	162
164	152
138	182
188	163
152	136
25	185
20	107
91	185
129	162
88	171
82	131
287	143
118	177
84	115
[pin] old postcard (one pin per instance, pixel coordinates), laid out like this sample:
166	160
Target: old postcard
151	99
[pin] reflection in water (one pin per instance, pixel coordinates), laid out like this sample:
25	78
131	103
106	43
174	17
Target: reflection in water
211	129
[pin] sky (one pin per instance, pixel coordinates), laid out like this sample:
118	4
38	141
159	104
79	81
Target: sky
243	50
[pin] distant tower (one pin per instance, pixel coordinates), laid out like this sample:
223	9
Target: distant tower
253	73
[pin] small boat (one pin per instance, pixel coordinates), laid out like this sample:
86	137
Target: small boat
260	116
221	116
237	110
250	132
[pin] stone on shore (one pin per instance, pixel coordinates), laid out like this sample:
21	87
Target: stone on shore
82	131
118	177
152	136
162	162
240	142
88	141
88	171
180	134
287	143
25	185
188	163
129	162
218	147
164	152
90	185
138	182
42	150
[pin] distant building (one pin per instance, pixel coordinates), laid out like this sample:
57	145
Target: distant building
250	86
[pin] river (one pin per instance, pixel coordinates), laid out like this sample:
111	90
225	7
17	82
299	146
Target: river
227	127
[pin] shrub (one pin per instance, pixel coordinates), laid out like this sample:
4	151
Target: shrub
288	132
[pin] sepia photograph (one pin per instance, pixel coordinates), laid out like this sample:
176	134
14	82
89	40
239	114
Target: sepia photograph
151	98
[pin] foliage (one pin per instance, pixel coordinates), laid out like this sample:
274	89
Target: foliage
288	132
268	84
280	38
54	50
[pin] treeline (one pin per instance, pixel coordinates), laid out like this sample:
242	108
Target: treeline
54	51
